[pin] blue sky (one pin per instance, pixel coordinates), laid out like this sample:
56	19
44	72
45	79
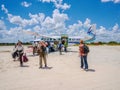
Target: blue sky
20	18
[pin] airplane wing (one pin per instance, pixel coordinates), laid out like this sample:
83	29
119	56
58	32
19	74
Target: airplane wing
31	33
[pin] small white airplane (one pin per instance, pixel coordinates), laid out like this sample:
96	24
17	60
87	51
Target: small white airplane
71	39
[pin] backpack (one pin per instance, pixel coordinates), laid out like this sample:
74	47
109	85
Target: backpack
43	48
86	49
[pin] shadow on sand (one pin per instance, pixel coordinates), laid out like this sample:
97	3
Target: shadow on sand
24	66
72	51
32	55
46	68
90	70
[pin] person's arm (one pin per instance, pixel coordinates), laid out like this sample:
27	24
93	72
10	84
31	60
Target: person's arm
23	49
80	50
43	44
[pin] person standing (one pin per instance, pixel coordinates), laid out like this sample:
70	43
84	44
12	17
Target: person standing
20	50
60	45
42	53
65	46
83	54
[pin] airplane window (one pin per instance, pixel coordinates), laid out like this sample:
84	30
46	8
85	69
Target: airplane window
59	39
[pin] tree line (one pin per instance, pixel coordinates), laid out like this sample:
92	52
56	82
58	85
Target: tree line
92	43
11	44
105	43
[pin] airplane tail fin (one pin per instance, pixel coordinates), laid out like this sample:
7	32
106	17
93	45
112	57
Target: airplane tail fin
89	30
92	31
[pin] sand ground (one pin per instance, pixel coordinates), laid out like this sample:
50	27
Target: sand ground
64	71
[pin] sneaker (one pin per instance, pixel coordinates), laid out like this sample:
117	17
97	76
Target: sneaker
81	67
45	65
86	69
40	67
21	65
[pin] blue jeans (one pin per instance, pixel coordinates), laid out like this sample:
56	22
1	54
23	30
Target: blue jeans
84	62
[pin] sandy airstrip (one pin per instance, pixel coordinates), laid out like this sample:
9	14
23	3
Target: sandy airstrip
64	71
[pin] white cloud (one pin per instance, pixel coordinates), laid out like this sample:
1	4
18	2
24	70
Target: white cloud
4	9
10	35
4	36
106	0
58	4
41	24
62	6
22	22
48	23
87	23
115	28
39	17
36	28
15	19
103	34
54	25
115	1
2	25
75	29
59	17
40	30
26	4
48	1
102	30
15	34
34	19
56	22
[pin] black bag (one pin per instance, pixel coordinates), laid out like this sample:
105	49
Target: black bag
14	54
86	49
